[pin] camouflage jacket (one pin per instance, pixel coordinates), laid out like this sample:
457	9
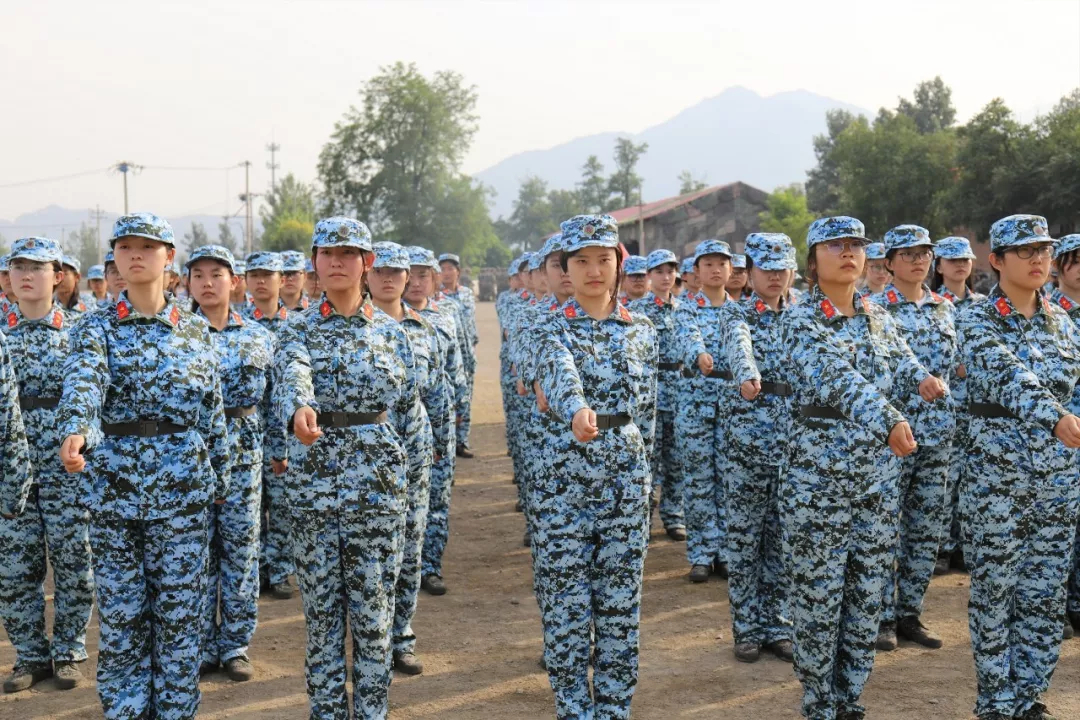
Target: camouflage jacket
429	396
125	367
530	313
698	330
465	299
273	323
451	372
610	366
453	307
15	466
662	314
362	364
516	306
501	303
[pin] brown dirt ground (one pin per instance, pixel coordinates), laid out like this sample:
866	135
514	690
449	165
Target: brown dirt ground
480	642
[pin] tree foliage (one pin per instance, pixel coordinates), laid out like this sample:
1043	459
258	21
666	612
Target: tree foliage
197	237
689	184
289	209
931	107
823	180
226	239
786	212
593	187
625	184
82	243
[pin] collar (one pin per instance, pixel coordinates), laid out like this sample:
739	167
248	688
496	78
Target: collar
1063	300
411	314
169	315
571	310
282	311
326	309
1005	308
234	319
829	312
761	307
658	301
53	319
702	300
893	296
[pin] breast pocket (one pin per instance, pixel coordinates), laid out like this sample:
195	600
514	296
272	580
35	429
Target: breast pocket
324	366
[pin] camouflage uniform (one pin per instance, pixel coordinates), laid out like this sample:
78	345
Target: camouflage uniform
519	406
1065	245
667	473
927	328
463	296
838	504
507	371
245	354
1020	492
591	515
148	493
758	432
48	519
350	498
699	421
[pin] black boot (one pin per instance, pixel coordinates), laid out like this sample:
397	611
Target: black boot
911	628
941	567
886	638
699	573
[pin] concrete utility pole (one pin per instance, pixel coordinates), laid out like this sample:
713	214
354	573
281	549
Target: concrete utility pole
273	147
97	215
124	167
641	220
246	198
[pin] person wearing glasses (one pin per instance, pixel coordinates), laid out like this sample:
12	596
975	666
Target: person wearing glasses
1020	492
293	279
847	359
877	270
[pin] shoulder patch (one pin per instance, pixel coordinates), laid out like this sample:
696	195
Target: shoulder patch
1002	306
368	311
122	310
1065	303
12	321
57	320
237	319
937	298
554	306
325	309
658	300
828	309
949	296
257	314
760	305
174	316
570	312
700	300
283	312
891	295
625	314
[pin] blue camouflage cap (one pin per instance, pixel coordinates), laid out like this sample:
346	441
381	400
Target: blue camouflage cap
536	261
173	268
109	258
514	265
1017	230
525	259
770	251
635	265
72	262
96	272
450	257
37	249
422	256
839	227
240	266
145	225
391	255
553	244
738	261
660	257
264	260
308	266
953	248
687	265
212	252
582	231
341	232
906	236
711	247
875	251
292	261
4	261
1066	244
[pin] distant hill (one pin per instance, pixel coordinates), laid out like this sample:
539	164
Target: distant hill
736	135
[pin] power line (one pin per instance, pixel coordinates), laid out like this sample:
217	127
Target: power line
55	179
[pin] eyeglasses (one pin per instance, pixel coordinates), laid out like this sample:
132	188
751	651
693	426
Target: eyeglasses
915	255
837	247
30	268
1026	252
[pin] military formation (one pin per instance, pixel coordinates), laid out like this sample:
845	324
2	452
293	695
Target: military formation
181	440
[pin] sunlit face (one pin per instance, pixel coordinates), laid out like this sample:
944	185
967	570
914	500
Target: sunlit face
877	274
840	261
142	261
955	272
387	284
593	272
558	281
292	283
341	268
311	284
737	282
114	280
451	273
1069	273
210	283
690	280
421	284
662	279
770	284
1029	273
264	285
713	271
69	282
911	265
99	288
539	280
34	281
5	281
636	285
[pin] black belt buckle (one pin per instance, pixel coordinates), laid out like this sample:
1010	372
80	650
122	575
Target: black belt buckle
337	419
721	375
609	422
147	428
777	389
674	367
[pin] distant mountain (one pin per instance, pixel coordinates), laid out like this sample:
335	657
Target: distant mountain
736	135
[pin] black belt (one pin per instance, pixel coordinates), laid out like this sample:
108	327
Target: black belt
239	412
990	410
779	389
349	419
676	366
143	428
821	412
29	402
721	375
607	422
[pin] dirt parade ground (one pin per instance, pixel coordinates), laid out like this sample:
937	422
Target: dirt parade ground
480	643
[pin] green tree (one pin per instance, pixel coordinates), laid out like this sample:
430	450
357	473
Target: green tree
593	187
564	204
226	239
625	184
197	237
689	184
289	207
292	233
83	244
531	219
1057	162
4	247
786	212
823	180
931	108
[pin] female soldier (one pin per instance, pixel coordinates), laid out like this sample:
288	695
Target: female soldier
1019	496
462	295
758	428
691	285
146	370
386	284
877	270
636	282
7	294
839	501
54	523
952	278
925	320
293	278
343	367
423	271
738	285
245	362
660	306
95	278
114	282
705	389
596	367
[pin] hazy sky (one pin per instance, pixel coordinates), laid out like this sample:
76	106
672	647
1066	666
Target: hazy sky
190	84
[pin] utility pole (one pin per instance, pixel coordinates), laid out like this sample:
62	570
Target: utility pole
641	219
249	209
124	167
97	215
273	147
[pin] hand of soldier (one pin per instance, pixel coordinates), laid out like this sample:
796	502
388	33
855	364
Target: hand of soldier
932	388
705	363
541	398
520	387
219	501
901	441
279	466
1068	431
584	425
961	372
71	453
305	427
750	389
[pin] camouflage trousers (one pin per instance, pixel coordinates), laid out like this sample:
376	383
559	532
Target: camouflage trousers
952	533
1073	590
699	444
150	589
517	425
347	563
923	509
667	474
232	577
758	584
438	520
464	406
407	587
838	544
1021	519
276	561
52	526
589	559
